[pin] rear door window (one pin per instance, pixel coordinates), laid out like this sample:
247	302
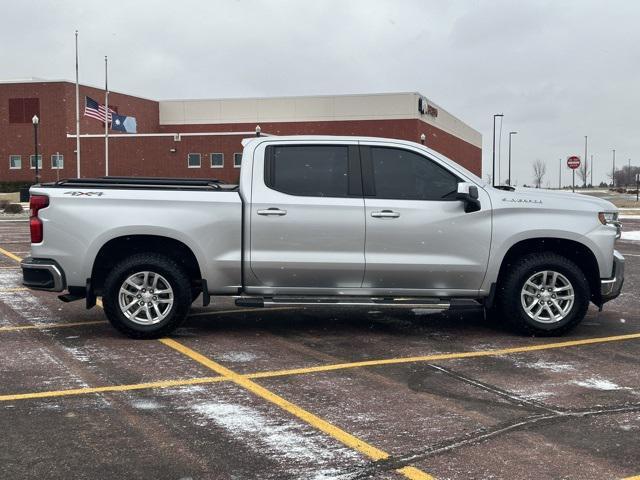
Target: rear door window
313	170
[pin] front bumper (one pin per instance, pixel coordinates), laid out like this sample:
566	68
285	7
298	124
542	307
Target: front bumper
610	288
42	274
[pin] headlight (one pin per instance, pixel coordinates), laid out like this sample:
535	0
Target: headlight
611	218
607	218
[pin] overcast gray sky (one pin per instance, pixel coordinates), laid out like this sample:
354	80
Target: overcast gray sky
558	70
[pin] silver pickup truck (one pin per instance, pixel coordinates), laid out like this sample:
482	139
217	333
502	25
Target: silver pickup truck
319	220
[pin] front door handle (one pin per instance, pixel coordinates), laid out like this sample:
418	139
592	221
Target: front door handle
385	214
272	211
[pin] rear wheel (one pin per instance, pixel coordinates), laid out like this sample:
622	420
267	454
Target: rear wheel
544	294
147	296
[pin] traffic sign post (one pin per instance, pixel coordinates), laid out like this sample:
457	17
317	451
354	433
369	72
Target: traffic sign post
573	162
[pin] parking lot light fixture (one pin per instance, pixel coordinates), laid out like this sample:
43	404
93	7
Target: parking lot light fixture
493	150
509	181
35	120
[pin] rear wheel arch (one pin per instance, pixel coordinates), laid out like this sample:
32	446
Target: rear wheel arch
119	248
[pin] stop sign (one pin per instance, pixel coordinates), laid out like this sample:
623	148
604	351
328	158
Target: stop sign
573	162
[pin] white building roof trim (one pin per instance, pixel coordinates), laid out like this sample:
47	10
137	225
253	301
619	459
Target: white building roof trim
385	106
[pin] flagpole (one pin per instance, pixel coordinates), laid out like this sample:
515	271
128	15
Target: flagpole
77	113
106	120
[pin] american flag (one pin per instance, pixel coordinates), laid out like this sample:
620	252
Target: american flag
95	110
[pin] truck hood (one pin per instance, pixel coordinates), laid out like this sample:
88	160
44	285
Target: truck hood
528	197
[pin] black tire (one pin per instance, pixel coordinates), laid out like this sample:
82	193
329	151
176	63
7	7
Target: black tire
162	265
509	305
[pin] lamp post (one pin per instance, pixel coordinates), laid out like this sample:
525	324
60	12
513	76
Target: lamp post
586	167
509	182
560	174
494	146
35	120
613	170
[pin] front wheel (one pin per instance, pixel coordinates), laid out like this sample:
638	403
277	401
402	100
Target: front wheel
544	294
147	295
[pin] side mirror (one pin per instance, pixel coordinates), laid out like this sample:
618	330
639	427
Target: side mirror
468	193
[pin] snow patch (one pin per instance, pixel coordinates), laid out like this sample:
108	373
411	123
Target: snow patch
631	236
77	353
552	366
237	357
23	302
146	404
289	440
599	384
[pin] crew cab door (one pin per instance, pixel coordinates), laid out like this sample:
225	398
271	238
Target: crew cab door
307	217
418	236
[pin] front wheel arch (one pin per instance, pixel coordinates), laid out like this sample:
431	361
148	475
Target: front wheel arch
575	251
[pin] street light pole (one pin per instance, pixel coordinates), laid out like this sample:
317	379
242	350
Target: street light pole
592	170
509	181
613	170
560	174
586	166
35	120
493	180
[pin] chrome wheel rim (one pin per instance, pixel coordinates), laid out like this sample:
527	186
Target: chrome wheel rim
145	298
547	296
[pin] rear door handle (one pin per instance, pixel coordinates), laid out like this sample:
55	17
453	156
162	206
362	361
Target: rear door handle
272	211
385	214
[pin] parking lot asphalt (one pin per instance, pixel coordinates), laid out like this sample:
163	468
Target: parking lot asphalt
312	393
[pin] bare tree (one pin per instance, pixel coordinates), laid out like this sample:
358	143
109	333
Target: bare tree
539	171
583	173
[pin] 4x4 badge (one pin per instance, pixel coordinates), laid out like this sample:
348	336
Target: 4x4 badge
84	194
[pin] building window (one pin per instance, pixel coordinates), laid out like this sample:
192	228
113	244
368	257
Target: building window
57	161
237	160
193	160
217	160
22	110
32	161
15	162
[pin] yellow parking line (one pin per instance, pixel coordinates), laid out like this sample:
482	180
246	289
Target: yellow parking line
445	356
10	290
346	438
373	363
12	256
47	326
110	388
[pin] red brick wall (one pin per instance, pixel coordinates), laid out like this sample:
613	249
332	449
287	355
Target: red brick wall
152	156
462	152
57	118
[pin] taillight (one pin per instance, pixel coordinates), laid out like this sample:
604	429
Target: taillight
36	203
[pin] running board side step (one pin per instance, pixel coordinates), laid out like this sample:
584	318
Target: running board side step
404	302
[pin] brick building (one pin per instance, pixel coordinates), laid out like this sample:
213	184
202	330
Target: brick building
200	138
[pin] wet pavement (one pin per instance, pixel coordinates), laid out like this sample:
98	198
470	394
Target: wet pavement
311	393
